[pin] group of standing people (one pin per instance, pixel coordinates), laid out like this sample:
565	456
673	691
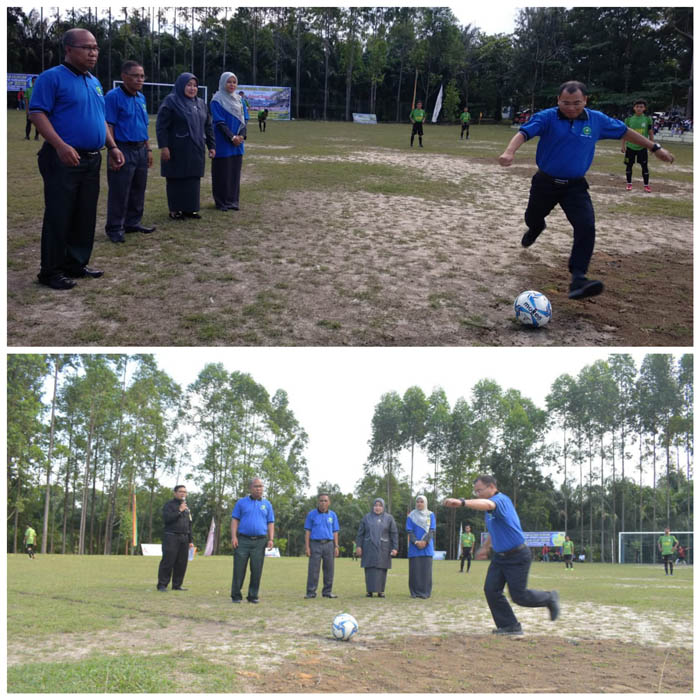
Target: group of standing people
67	106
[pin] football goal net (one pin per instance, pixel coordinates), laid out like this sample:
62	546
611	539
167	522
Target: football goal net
156	92
642	547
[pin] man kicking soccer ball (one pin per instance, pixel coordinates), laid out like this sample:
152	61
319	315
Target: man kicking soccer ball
568	134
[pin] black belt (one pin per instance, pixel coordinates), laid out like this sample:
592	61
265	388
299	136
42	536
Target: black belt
131	144
509	552
86	154
253	537
322	541
560	180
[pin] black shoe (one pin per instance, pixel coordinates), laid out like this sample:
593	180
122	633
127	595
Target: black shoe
177	215
515	630
310	595
191	215
380	595
554	607
180	588
235	600
330	595
140	229
369	595
117	240
253	600
162	590
85	272
530	236
57	281
582	288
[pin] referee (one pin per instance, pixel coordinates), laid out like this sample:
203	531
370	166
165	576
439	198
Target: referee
127	121
568	134
67	107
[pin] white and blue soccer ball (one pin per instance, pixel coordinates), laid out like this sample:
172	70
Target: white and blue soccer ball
533	309
344	627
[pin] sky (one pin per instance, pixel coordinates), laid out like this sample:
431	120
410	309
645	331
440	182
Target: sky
489	17
333	391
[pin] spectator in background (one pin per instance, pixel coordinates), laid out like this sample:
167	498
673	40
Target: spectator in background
545	553
246	107
27	99
229	133
20	99
262	119
30	540
184	132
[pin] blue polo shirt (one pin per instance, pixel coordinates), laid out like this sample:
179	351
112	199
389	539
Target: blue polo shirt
567	146
253	516
127	115
321	525
74	104
503	524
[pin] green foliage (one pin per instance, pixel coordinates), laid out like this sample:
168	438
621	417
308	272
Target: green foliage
451	102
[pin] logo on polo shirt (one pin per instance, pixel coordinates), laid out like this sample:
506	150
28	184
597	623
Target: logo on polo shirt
586	131
330	519
98	90
263	508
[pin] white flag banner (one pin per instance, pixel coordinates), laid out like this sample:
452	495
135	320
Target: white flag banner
438	106
209	549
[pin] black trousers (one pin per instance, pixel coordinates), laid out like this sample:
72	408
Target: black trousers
465	127
572	196
127	191
466	554
642	157
28	130
70	211
249	549
322	551
417	129
226	181
176	549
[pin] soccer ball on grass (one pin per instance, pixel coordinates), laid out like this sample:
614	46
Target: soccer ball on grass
344	627
533	309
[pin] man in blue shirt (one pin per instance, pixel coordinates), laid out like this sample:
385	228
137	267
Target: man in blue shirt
568	134
321	544
252	529
67	108
511	557
127	121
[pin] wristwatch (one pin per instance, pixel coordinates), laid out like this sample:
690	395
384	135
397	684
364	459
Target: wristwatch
464	501
655	147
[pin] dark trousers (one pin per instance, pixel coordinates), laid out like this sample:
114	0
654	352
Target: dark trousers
641	157
572	196
226	181
512	570
465	127
28	130
253	549
127	191
466	554
262	124
668	563
568	561
322	551
176	549
70	211
417	129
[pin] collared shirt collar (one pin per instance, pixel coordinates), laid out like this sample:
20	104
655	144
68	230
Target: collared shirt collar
75	70
126	92
582	117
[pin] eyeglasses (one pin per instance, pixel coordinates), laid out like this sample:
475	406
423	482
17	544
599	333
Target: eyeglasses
136	76
578	103
86	48
478	491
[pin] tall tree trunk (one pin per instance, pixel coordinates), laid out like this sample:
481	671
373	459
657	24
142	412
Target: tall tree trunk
86	481
398	91
92	507
298	67
47	498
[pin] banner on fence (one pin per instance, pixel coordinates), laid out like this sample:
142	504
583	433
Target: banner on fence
364	118
278	100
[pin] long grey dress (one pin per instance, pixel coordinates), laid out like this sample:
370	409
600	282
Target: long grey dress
377	535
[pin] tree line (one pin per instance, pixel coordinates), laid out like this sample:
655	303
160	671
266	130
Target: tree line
360	59
612	451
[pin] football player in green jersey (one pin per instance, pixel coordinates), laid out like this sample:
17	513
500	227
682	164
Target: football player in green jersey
667	547
465	118
417	117
642	124
468	542
567	550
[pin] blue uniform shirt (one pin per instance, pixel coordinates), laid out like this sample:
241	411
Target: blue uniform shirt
74	104
567	146
127	115
253	515
224	148
321	525
503	524
418	531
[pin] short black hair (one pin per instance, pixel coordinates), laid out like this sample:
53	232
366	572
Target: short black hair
486	479
128	65
68	37
324	493
179	486
571	86
640	102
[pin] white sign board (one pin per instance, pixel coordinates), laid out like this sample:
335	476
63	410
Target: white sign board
152	550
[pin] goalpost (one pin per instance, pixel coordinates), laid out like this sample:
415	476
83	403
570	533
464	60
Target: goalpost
641	547
170	86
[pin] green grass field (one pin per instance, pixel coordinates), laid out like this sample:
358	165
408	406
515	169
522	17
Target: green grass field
97	624
347	236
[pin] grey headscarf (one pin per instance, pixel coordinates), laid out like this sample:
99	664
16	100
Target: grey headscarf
421	517
230	102
193	111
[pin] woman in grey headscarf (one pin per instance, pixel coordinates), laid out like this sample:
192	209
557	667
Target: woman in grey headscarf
183	129
377	542
229	130
420	526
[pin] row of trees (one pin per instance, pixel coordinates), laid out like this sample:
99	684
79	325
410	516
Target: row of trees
339	60
612	451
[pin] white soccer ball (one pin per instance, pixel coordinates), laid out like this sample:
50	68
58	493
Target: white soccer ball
533	309
344	627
